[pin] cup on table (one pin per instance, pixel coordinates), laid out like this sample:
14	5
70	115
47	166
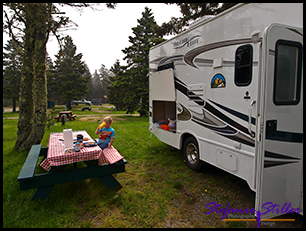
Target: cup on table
77	147
80	140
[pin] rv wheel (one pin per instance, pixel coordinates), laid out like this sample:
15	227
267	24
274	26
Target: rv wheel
191	154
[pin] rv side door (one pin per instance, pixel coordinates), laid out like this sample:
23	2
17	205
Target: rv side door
279	151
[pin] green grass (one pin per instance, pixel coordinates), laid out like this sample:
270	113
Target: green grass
158	189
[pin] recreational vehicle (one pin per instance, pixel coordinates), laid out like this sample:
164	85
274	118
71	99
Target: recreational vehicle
228	91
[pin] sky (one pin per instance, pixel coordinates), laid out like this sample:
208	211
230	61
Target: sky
101	35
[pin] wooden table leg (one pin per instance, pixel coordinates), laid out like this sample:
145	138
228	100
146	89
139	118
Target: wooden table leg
42	193
110	182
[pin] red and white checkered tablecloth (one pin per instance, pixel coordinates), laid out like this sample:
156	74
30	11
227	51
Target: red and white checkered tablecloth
56	152
112	155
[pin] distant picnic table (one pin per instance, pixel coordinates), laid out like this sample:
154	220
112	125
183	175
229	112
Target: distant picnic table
86	108
68	113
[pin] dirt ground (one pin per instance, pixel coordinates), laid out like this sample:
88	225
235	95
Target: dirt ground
90	118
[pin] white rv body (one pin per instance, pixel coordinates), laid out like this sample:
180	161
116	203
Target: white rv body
218	81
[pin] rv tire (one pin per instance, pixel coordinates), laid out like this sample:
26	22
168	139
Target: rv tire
192	154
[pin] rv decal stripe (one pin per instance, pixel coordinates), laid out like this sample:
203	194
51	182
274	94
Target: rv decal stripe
279	156
227	129
169	58
227	132
226	119
235	113
205	62
271	52
180	86
295	31
279	159
189	56
285	136
157	60
179	81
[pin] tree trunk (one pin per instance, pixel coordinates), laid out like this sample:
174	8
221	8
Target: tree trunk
14	105
26	106
40	85
68	105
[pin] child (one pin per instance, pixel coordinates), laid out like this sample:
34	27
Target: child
107	136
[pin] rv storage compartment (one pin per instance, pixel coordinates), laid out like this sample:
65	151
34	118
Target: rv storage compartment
164	115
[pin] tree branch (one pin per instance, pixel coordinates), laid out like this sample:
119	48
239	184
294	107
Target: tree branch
9	27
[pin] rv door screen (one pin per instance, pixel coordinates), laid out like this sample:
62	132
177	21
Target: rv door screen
162	85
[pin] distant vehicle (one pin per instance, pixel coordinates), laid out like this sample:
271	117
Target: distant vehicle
83	101
96	101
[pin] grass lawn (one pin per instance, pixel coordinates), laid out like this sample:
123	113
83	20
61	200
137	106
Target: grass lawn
158	189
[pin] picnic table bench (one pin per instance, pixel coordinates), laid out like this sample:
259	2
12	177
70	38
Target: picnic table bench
69	114
86	108
44	182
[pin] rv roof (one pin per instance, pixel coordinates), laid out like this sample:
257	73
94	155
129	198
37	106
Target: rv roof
202	19
200	22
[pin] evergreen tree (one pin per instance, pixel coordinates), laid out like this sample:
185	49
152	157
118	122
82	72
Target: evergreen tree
135	77
96	84
71	73
51	81
90	94
12	65
115	90
104	75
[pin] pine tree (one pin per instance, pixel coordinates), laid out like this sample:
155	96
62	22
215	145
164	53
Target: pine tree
115	91
98	83
71	73
51	81
104	75
91	86
137	57
12	64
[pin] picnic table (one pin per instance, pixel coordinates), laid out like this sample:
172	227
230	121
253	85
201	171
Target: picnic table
86	108
69	114
101	164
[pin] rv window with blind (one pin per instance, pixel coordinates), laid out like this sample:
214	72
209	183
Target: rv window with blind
243	65
287	73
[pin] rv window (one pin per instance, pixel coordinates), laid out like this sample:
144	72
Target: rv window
287	73
243	65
